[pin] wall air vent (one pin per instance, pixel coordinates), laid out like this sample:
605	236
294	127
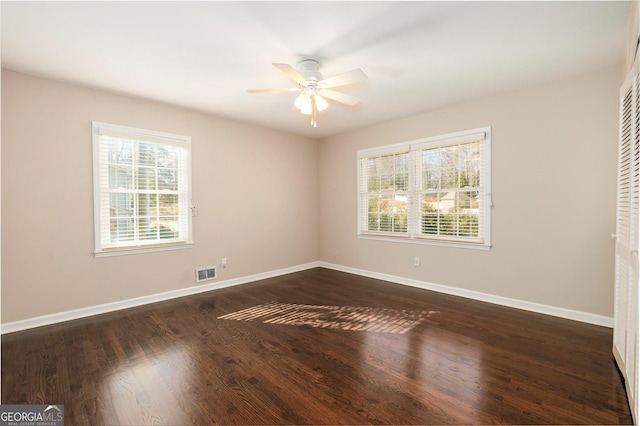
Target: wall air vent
204	274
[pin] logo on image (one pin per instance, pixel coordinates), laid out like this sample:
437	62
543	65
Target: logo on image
32	415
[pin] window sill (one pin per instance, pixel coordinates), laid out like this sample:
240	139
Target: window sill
140	250
441	243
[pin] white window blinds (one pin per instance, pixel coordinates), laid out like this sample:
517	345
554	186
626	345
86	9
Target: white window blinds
434	189
141	188
385	193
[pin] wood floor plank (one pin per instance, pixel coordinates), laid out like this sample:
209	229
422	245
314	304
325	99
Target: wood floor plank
178	362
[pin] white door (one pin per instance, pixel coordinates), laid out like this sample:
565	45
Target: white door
625	327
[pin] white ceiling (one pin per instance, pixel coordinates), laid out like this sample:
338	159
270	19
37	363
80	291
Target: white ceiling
418	55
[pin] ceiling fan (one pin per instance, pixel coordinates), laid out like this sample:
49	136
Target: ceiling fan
313	88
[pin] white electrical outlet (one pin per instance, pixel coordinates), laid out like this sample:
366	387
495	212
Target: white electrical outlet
416	261
224	262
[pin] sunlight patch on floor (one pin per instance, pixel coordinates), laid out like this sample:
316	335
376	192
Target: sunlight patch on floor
354	318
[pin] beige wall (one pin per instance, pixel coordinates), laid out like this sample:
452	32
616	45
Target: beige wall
633	30
261	221
554	184
554	168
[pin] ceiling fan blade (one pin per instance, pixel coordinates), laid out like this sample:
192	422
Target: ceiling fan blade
343	79
290	72
281	89
343	98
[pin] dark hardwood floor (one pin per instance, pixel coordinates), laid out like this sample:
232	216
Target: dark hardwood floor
176	362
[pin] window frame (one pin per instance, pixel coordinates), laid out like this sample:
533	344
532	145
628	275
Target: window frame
413	234
137	245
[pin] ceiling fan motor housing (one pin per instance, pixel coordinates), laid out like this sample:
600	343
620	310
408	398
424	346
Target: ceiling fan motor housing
309	70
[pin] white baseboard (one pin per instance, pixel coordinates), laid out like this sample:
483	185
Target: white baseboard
484	297
215	285
144	300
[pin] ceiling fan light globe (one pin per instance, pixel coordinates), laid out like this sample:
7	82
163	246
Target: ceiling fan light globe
301	101
306	109
321	103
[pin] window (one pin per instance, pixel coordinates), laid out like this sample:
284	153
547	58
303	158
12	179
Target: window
142	190
434	190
